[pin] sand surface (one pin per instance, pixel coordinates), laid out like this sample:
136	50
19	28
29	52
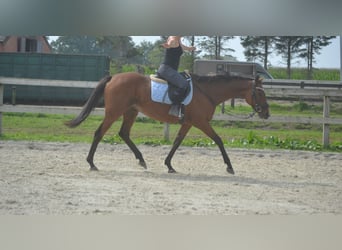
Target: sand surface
54	179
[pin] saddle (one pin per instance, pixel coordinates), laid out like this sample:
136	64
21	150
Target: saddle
163	92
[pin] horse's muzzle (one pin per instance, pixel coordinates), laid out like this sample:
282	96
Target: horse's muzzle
263	111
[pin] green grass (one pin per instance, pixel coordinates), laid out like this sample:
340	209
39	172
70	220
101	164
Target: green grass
42	127
302	74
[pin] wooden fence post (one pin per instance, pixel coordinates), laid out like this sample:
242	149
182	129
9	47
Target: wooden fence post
1	103
14	95
166	131
326	114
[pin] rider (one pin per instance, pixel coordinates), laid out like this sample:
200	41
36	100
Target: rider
169	69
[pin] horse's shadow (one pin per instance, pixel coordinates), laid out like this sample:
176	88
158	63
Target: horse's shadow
240	180
233	179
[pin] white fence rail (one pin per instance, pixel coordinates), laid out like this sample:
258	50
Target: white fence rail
281	88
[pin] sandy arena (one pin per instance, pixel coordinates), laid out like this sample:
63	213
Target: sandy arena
54	179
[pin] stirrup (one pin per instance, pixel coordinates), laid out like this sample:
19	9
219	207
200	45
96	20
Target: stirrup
176	110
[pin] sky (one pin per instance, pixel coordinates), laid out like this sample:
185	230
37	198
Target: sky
329	57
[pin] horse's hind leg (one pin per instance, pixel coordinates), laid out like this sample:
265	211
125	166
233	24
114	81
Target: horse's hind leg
180	136
96	140
128	120
99	133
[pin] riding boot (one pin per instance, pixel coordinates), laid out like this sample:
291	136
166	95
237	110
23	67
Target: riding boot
176	110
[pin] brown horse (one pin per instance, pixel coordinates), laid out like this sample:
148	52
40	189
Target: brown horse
126	94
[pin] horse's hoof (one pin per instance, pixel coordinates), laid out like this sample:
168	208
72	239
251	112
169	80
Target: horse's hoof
172	171
230	170
143	164
94	168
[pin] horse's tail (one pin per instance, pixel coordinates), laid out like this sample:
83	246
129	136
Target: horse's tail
90	104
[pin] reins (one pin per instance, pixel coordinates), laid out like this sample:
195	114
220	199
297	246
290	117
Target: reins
242	117
257	107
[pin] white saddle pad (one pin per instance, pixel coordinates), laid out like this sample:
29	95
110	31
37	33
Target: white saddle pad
159	93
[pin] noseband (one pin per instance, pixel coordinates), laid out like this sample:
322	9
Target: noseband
258	108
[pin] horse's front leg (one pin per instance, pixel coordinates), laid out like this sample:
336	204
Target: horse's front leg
226	159
180	136
209	131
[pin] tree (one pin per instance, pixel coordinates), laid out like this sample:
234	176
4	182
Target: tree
289	47
144	48
188	58
214	46
76	45
257	48
156	54
119	48
313	46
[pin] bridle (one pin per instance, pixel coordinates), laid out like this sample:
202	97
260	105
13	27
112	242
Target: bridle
257	108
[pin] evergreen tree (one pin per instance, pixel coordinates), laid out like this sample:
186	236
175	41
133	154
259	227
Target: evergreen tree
313	46
257	48
289	47
215	46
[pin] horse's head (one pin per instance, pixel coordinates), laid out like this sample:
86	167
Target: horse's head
257	99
